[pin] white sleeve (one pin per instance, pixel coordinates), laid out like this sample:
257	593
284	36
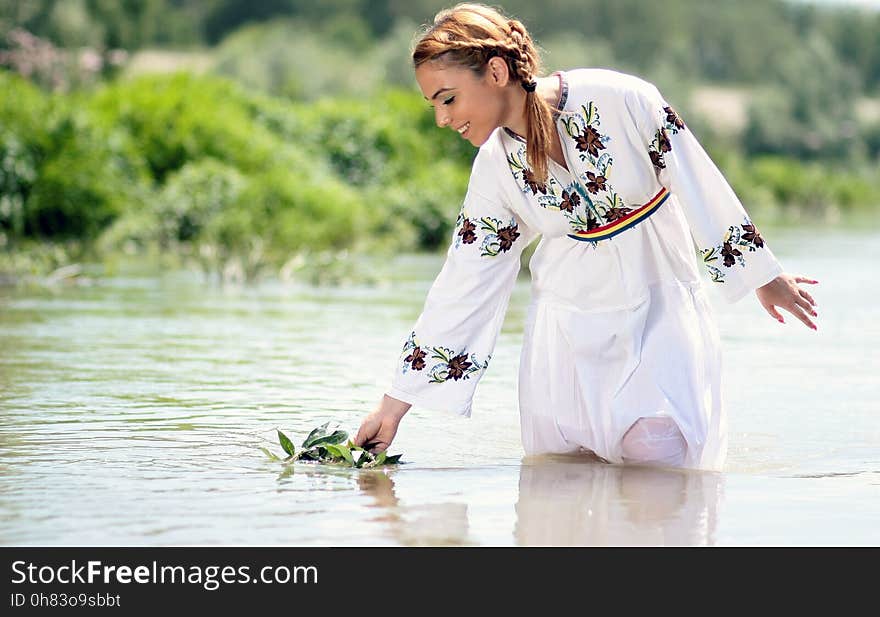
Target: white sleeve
728	242
451	343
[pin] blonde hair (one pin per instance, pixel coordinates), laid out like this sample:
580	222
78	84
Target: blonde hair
468	35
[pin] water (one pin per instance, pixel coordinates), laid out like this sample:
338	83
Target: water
132	412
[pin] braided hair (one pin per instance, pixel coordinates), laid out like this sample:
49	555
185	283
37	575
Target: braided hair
468	35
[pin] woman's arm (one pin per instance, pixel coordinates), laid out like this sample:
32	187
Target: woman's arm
449	348
730	246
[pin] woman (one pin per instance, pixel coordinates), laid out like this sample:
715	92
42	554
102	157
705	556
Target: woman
621	355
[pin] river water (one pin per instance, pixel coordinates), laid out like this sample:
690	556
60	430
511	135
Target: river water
133	410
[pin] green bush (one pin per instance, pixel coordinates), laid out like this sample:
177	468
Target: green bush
811	188
89	176
24	143
418	213
383	140
61	174
182	118
296	210
193	197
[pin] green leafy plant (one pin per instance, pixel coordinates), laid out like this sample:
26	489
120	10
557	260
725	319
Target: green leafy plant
330	444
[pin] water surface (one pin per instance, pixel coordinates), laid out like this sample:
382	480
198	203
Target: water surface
132	411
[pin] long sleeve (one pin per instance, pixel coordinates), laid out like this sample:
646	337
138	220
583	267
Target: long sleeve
451	344
728	242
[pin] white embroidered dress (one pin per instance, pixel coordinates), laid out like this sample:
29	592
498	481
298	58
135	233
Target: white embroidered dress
619	326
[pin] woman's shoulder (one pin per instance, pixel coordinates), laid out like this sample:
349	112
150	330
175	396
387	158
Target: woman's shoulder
599	81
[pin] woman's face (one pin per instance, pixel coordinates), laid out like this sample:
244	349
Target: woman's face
461	100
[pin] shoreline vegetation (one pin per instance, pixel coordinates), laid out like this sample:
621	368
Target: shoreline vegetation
295	147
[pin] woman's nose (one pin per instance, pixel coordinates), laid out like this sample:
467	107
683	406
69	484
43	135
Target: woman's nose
441	118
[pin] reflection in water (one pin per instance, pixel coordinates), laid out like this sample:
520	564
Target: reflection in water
427	524
573	501
561	501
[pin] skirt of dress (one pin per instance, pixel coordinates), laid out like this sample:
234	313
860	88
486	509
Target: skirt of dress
586	376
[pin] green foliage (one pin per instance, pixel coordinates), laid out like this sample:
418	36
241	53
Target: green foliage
788	189
196	166
24	143
295	59
809	112
193	197
412	174
87	179
324	444
63	175
180	118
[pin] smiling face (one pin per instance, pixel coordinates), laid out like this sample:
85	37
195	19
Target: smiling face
461	99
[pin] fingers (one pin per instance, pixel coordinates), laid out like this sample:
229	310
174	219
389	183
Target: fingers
806	305
798	312
368	437
804	294
807	297
795	310
374	447
366	432
774	313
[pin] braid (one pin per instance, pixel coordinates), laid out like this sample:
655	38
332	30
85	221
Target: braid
521	52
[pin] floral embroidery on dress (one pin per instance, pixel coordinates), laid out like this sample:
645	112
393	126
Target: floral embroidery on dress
416	359
532	182
452	365
570	201
466	231
498	238
728	251
673	118
595	183
547	193
583	128
661	144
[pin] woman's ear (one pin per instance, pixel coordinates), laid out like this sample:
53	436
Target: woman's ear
498	71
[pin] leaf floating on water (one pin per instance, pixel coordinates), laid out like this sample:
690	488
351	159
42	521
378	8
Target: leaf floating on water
337	437
320	433
270	455
286	444
340	452
346	454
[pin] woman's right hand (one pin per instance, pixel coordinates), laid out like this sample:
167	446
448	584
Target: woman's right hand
379	428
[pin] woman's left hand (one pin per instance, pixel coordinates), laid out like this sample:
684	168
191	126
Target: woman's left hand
783	291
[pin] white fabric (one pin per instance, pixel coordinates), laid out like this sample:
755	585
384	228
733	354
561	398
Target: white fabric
617	330
654	440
